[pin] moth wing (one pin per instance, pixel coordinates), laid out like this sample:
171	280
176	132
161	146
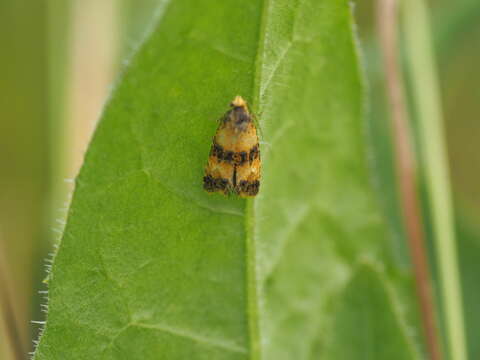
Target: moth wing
248	178
218	175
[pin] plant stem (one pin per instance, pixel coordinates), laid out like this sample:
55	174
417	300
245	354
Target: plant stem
405	168
422	67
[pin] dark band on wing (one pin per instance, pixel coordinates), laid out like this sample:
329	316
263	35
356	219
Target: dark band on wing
212	184
234	158
248	187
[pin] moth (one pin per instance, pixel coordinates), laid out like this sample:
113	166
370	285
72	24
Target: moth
234	162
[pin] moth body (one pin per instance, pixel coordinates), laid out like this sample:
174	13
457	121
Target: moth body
234	162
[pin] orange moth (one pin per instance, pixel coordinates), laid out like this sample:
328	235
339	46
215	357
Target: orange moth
234	162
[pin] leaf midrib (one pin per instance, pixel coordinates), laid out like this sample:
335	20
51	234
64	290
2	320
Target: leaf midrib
253	306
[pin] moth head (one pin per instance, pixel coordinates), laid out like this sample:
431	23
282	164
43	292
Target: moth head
238	102
239	115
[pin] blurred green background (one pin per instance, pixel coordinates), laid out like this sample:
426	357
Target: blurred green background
58	62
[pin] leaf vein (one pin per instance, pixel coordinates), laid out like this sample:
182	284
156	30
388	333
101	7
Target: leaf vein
218	343
286	236
275	68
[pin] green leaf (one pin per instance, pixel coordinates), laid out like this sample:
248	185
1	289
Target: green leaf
368	287
151	266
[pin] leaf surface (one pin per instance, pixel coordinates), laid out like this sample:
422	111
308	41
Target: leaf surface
151	266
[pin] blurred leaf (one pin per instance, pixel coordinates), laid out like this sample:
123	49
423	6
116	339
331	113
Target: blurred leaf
456	33
452	22
150	265
24	163
461	94
469	253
